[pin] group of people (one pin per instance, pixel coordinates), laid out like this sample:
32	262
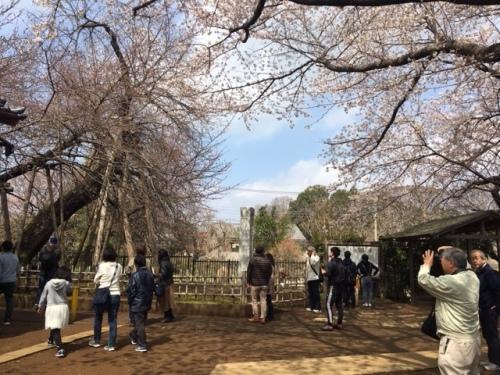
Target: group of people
55	286
342	276
466	299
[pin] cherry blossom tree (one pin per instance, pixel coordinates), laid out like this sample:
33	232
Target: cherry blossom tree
114	113
422	78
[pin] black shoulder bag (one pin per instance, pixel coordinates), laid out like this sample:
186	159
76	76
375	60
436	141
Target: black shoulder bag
103	295
320	274
429	326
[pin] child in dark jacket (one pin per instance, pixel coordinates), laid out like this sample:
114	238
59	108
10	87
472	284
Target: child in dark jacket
140	295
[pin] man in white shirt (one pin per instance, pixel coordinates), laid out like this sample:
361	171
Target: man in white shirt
312	278
457	313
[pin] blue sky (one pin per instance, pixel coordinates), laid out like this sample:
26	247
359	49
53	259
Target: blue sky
274	157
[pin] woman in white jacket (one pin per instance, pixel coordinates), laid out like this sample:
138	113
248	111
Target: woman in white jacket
107	276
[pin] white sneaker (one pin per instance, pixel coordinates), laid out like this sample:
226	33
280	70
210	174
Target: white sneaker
369	305
491	367
317	311
308	309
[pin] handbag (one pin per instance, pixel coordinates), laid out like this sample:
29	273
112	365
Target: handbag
429	326
103	295
321	278
160	288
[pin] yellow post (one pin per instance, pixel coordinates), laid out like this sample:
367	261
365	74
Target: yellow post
74	302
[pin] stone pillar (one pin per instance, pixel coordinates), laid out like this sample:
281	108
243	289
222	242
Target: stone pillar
246	237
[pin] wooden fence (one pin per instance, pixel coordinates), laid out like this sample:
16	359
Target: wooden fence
204	280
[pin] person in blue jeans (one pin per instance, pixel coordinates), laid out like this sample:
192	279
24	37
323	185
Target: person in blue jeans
107	276
140	296
9	267
367	270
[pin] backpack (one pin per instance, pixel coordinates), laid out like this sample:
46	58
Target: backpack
350	272
340	274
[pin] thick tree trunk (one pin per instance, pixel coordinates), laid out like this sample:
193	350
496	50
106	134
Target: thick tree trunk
129	244
26	206
39	229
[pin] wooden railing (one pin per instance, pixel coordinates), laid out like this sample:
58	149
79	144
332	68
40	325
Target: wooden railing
206	280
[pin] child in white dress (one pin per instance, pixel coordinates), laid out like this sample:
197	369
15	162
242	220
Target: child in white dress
54	299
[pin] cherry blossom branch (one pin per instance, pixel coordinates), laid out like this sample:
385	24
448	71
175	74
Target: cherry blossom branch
137	8
481	53
380	3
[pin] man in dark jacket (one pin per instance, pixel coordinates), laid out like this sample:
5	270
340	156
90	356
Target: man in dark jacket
335	273
489	306
49	258
140	296
258	274
350	280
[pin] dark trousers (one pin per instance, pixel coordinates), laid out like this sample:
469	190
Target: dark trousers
270	308
55	337
7	289
112	309
138	334
314	297
349	296
334	296
489	325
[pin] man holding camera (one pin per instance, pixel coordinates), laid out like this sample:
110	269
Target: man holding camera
457	316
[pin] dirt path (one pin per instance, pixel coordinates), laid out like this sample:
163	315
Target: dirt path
195	345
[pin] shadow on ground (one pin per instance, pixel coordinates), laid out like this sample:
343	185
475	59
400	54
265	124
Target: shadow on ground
195	345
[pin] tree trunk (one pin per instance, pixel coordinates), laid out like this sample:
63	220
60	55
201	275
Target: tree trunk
26	206
39	229
129	244
103	214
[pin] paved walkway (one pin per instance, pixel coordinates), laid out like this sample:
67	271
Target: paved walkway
17	354
342	365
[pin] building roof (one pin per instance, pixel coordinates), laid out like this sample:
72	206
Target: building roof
294	233
10	116
436	228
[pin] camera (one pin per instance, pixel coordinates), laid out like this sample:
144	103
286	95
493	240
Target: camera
437	268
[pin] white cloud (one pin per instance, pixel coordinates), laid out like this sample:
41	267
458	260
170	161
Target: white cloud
290	182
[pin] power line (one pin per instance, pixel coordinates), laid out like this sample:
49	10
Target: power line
267	191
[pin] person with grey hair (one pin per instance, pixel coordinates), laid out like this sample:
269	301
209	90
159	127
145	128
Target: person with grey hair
457	315
489	306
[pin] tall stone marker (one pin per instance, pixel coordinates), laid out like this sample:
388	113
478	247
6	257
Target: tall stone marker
246	237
